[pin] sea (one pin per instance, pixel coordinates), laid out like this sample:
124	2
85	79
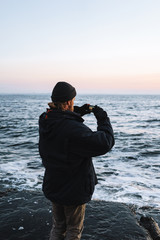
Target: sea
129	173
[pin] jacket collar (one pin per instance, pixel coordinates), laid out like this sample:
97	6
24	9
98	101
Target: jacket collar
51	112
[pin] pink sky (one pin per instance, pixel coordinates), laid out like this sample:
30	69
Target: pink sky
98	46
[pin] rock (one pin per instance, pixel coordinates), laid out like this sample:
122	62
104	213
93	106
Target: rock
150	224
111	221
28	215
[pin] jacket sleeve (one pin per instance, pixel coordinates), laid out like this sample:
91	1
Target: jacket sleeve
85	142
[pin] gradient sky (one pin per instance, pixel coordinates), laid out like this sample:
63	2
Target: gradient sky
99	46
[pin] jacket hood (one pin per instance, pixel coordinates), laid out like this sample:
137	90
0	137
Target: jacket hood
53	118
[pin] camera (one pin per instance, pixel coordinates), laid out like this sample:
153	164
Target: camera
91	107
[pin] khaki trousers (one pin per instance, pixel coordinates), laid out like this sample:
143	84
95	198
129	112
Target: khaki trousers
67	222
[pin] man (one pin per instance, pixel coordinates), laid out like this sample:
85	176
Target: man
66	147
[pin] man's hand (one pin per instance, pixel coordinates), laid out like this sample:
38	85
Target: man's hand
99	113
82	110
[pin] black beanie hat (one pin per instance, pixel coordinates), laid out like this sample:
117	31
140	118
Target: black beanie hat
63	92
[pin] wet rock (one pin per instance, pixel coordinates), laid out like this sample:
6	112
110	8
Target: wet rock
150	224
112	221
28	215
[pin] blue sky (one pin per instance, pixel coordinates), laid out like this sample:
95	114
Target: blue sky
96	45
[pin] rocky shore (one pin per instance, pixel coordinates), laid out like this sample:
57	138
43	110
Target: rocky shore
27	215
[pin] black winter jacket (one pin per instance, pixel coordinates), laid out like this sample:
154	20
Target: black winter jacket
66	147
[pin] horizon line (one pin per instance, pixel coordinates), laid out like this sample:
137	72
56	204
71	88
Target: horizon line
48	93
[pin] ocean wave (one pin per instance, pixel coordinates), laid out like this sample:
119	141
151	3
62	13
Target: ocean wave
153	120
150	153
128	173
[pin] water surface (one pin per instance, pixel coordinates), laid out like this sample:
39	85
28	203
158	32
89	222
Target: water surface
129	173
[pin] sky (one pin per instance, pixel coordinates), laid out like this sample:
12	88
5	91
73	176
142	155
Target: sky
98	46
